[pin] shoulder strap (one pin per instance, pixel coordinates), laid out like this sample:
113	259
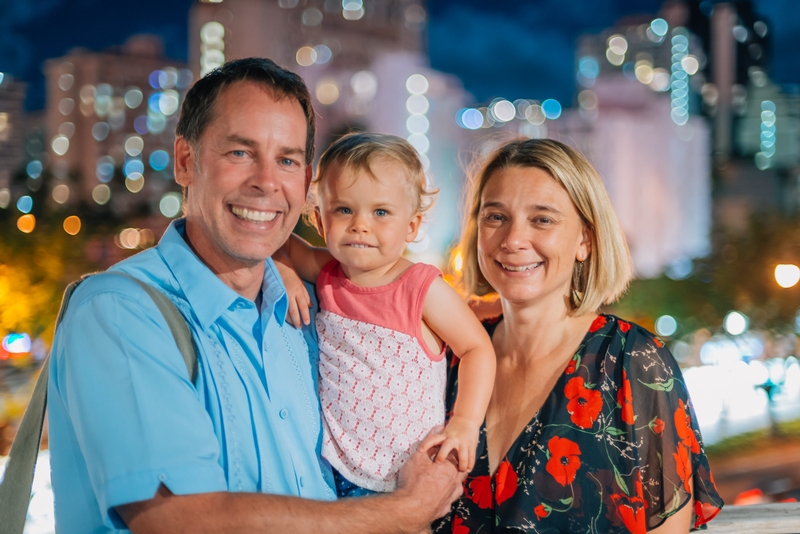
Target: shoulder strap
15	488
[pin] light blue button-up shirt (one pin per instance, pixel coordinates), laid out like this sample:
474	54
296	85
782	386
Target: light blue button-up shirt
124	416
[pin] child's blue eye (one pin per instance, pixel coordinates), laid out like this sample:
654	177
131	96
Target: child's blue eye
381	213
345	211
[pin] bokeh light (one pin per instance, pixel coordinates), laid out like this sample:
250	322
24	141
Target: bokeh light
551	109
417	104
417	84
503	110
327	91
735	323
787	275
61	193
26	223
72	225
134	182
134	145
60	145
170	205
25	204
159	160
365	84
306	56
101	194
16	343
666	325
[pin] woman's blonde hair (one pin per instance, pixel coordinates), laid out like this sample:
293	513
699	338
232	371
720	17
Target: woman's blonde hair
358	152
607	270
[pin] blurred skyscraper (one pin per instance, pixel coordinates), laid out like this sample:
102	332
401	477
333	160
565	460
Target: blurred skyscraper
110	125
367	69
12	102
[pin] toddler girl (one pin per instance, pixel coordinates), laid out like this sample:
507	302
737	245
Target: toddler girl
385	321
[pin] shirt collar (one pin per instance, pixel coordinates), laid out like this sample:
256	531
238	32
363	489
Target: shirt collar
207	295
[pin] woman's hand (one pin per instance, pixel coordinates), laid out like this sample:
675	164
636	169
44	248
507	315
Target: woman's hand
299	300
460	437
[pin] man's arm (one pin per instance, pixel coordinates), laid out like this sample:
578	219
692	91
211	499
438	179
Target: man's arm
426	491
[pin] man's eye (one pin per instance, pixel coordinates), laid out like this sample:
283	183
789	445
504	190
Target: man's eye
288	162
381	213
238	153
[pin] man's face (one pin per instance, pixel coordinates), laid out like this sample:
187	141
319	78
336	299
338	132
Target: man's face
248	184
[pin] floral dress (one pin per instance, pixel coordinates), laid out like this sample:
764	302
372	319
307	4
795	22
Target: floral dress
613	449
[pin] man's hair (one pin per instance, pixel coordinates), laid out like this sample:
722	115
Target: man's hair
197	111
358	152
607	270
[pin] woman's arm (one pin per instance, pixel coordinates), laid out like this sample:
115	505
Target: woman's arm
447	315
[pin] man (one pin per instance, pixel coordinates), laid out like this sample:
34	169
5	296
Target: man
134	444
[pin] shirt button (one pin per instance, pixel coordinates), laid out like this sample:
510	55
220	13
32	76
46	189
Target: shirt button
162	477
284	413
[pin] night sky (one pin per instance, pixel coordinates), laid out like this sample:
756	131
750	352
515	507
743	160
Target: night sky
509	48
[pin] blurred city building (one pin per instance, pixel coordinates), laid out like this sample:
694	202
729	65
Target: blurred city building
110	123
12	138
366	66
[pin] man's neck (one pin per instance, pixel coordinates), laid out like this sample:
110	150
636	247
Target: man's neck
246	278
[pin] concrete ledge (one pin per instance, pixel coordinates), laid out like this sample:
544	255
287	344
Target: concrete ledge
779	518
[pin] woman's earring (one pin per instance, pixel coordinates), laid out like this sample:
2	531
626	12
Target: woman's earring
578	289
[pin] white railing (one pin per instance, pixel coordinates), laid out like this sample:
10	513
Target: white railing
779	518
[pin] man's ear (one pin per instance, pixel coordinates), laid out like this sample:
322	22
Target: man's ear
413	227
184	162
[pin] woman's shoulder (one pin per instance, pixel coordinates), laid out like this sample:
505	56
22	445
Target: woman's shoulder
631	347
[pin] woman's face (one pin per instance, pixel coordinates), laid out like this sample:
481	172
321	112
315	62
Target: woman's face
529	236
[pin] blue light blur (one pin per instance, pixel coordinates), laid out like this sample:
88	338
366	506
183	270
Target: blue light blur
155	78
470	118
589	67
133	165
551	109
154	101
140	125
159	160
34	168
629	70
25	204
17	343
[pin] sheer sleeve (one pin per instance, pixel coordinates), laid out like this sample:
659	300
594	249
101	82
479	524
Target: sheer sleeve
657	414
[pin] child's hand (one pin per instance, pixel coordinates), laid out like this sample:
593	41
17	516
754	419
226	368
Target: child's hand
296	292
460	436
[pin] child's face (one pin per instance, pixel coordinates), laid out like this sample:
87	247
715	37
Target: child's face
367	221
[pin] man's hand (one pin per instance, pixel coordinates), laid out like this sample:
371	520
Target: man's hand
432	487
460	436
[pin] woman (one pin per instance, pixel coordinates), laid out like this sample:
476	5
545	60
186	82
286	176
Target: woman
590	428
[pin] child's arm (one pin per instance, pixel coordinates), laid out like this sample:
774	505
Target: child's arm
447	315
297	260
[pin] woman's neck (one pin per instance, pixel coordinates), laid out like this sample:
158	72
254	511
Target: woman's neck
532	332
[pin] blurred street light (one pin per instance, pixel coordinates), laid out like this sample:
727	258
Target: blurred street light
787	275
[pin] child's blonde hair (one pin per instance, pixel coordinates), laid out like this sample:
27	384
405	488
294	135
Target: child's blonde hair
358	152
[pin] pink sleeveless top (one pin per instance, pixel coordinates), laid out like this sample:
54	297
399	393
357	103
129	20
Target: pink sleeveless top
381	388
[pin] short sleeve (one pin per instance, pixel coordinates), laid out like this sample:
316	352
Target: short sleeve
657	412
121	384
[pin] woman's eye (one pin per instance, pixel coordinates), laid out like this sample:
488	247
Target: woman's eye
494	217
543	220
381	213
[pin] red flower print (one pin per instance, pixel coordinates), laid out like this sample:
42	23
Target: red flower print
657	425
625	399
598	323
683	425
584	404
480	491
564	462
541	512
573	364
624	326
458	526
703	513
683	465
658	342
505	481
631	512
